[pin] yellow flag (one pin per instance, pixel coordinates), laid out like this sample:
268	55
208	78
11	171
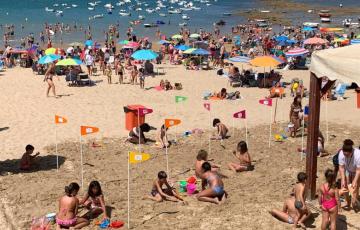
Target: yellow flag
136	157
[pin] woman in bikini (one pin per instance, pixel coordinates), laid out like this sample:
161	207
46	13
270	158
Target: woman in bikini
50	72
68	209
94	201
295	120
328	199
215	192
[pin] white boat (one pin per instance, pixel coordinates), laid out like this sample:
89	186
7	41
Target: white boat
124	14
186	9
162	15
109	11
150	25
74	5
311	24
68	7
96	16
55	5
141	17
64	4
208	4
183	24
176	11
120	3
196	8
91	8
92	4
47	9
59	13
265	11
325	20
138	9
150	11
185	17
227	14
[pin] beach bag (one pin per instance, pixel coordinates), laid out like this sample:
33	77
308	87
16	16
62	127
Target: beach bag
41	223
220	72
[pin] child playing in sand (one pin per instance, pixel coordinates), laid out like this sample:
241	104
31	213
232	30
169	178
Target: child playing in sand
141	77
243	156
68	209
163	139
94	200
299	193
27	159
202	157
108	73
159	194
295	120
222	130
328	199
289	213
215	192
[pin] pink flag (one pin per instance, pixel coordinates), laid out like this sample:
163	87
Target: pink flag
241	114
266	101
207	106
144	111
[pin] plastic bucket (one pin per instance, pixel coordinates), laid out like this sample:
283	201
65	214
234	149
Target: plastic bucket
183	185
191	188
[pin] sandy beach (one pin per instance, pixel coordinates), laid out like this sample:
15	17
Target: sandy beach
29	116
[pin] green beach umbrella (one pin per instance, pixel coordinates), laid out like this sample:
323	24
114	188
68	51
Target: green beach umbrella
177	36
194	35
123	42
189	51
358	36
69	62
75	44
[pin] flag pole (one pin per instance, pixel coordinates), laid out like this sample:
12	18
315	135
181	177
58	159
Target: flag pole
167	157
128	192
139	130
302	137
233	125
276	103
246	133
175	126
210	131
326	118
81	161
56	149
270	127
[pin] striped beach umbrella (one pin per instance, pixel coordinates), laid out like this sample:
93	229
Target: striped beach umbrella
315	41
48	59
69	62
242	59
296	52
355	41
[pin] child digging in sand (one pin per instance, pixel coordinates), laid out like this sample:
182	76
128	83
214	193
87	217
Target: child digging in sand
215	192
289	213
159	194
299	192
328	199
27	160
222	130
243	156
94	201
68	209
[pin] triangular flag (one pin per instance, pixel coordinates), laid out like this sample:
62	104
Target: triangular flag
207	106
267	101
60	120
180	99
241	114
171	122
136	157
84	130
144	111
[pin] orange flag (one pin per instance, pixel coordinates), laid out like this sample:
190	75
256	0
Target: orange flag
85	130
171	122
60	120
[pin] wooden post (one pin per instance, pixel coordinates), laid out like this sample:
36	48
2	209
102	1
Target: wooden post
313	134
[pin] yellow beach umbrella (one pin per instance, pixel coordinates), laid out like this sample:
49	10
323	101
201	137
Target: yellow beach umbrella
177	36
189	51
50	51
265	61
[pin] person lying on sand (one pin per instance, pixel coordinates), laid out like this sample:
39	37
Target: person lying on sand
289	213
94	201
215	192
222	130
159	194
27	160
243	156
68	209
300	205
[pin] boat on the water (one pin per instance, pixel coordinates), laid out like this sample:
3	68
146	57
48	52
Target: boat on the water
162	15
220	23
311	24
185	17
124	14
141	17
183	24
59	13
146	25
96	16
176	11
227	14
47	9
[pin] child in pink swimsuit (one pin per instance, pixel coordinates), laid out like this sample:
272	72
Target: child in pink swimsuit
94	201
328	199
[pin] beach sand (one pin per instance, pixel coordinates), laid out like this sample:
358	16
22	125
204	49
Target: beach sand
30	118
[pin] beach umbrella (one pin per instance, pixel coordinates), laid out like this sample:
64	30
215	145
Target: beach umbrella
237	37
48	59
200	52
358	36
281	38
177	36
307	29
189	51
123	42
242	59
265	61
69	62
133	44
194	35
144	55
296	52
50	51
355	41
75	44
89	43
182	47
162	42
315	41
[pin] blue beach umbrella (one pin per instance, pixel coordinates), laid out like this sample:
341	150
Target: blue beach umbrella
306	28
182	47
162	42
144	55
241	59
200	52
48	59
89	43
355	41
237	37
281	38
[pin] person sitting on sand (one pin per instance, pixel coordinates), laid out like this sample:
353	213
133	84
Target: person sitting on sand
215	192
299	193
222	130
27	160
295	120
135	134
328	199
222	94
243	156
289	213
94	201
276	91
162	137
167	85
159	194
202	157
68	209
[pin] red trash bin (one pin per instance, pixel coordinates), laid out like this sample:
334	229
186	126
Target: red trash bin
131	116
358	97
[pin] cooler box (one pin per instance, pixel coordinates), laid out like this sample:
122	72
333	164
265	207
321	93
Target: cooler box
358	97
131	116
